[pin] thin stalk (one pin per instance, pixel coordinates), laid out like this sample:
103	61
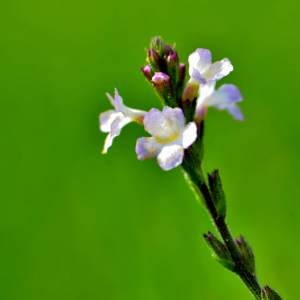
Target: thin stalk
202	189
248	278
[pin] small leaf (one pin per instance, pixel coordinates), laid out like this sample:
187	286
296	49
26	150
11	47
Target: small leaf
220	251
228	264
217	192
269	294
246	254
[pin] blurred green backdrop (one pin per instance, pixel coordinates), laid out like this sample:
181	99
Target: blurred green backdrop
78	225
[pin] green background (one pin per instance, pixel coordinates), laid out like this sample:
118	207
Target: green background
78	225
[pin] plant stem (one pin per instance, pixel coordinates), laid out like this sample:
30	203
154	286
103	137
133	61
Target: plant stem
202	189
248	278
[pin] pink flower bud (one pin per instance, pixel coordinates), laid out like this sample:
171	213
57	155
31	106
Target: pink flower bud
161	81
147	71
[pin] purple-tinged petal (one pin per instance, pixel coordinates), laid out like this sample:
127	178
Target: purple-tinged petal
218	70
233	93
200	60
225	96
147	148
197	76
236	112
204	57
170	157
154	121
107	118
189	135
116	101
174	116
159	126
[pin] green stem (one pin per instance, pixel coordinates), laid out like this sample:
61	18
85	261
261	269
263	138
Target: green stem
248	278
201	187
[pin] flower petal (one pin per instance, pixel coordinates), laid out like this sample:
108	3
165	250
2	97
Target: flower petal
159	125
115	130
197	76
189	135
225	96
154	121
107	118
116	101
107	143
174	116
170	157
199	60
236	112
147	148
205	91
218	70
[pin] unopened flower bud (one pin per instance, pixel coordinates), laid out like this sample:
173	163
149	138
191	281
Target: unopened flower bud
158	54
182	70
190	92
168	50
172	59
158	45
153	59
147	71
173	68
218	195
161	81
246	253
162	84
220	252
268	294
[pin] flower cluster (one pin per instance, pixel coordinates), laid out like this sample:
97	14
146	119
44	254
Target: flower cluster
176	127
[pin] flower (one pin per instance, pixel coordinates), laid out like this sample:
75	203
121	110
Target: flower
224	98
112	121
202	70
170	136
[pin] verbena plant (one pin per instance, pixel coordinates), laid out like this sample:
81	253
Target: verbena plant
176	139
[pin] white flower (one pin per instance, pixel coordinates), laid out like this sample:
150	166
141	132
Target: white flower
225	97
202	70
170	136
112	121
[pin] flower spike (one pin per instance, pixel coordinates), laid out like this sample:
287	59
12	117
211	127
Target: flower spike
176	138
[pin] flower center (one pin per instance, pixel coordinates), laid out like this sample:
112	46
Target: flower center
169	132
